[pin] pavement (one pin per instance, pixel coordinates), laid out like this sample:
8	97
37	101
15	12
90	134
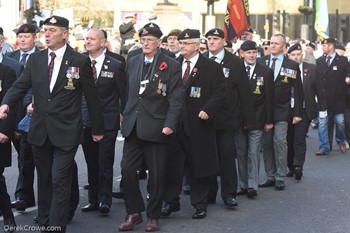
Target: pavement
319	203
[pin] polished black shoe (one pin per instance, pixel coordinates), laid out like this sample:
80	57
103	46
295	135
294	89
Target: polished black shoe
118	195
169	208
104	209
86	187
298	173
186	189
89	207
241	192
290	173
21	205
279	185
251	193
36	219
267	183
230	202
199	214
9	225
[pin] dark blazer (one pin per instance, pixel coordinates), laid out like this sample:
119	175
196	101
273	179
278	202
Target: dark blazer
7	126
111	88
333	78
238	110
283	91
139	51
57	115
207	75
13	64
312	88
151	111
262	87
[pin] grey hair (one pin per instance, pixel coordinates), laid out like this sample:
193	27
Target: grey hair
283	37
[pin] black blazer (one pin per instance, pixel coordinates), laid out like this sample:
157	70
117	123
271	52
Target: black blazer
262	87
111	88
7	126
208	76
238	110
333	78
283	90
57	115
151	110
312	88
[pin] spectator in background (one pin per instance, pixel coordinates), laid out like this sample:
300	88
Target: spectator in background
127	33
164	44
203	46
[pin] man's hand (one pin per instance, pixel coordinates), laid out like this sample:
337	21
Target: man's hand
203	115
268	127
4	109
296	120
30	109
3	138
17	134
167	131
97	138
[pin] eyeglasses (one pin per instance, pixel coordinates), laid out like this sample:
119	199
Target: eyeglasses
148	40
186	43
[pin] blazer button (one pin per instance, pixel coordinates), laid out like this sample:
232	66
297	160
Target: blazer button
49	100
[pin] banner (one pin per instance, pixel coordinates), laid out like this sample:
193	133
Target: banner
322	19
236	18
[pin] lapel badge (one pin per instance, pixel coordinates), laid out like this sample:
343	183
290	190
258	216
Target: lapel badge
66	62
105	66
335	68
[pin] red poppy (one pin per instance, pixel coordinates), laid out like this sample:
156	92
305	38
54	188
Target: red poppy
163	66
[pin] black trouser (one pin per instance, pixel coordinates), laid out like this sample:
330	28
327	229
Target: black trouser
5	203
134	151
54	168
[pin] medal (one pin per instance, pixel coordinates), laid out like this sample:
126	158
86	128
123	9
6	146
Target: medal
257	90
160	87
164	89
0	85
285	80
70	76
192	92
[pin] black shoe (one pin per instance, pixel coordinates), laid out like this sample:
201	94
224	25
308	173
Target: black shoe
103	208
141	174
298	173
279	185
290	173
118	195
230	202
89	207
199	214
36	219
9	224
86	187
21	205
251	193
169	208
241	192
186	189
267	183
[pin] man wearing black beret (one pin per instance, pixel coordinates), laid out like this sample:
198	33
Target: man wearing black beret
296	137
333	70
231	119
287	77
150	119
261	86
57	76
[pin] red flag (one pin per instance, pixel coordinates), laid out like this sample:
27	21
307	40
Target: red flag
236	18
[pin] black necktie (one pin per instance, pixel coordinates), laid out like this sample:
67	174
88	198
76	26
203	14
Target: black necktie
273	63
248	71
213	58
94	71
187	73
328	60
51	64
23	60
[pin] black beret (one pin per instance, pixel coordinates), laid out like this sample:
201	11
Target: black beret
250	30
151	25
165	39
104	34
151	31
228	44
57	21
266	42
215	32
340	46
174	32
1	31
189	34
26	28
329	41
294	47
249	45
312	45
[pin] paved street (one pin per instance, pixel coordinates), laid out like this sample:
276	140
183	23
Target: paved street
320	203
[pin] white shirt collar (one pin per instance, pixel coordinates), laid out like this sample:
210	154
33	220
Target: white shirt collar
59	53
